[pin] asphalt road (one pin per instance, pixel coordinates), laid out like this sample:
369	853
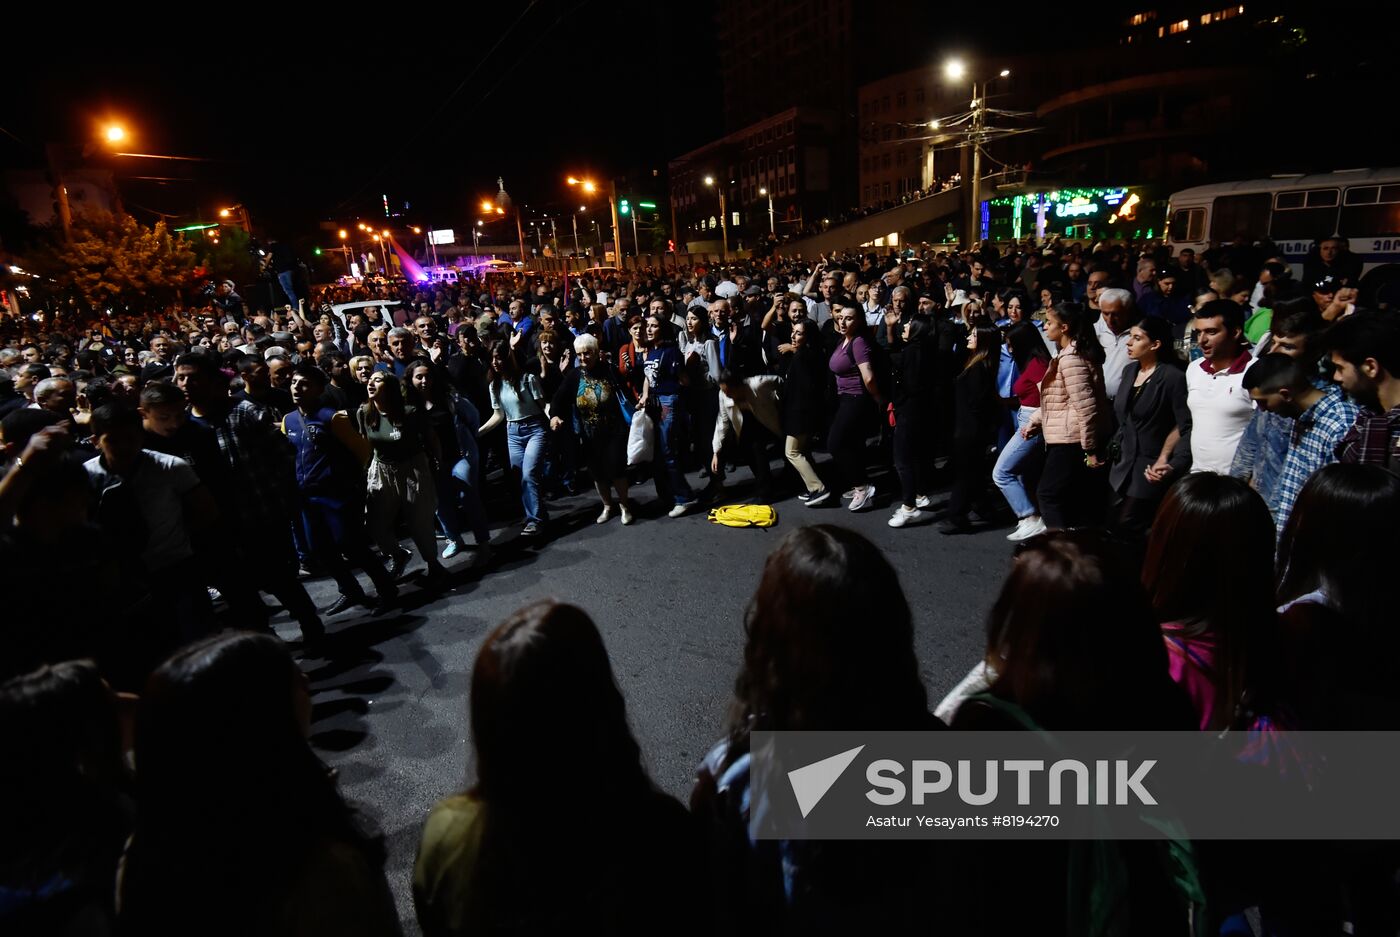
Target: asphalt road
668	596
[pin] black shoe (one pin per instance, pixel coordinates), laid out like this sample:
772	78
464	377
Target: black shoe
313	639
437	579
531	529
816	497
342	603
383	605
398	562
955	525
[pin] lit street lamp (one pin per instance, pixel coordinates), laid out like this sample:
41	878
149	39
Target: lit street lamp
345	249
245	222
956	70
589	188
772	226
723	220
115	133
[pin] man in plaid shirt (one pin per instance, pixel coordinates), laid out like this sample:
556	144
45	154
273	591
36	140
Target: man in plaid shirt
260	499
1365	356
1321	416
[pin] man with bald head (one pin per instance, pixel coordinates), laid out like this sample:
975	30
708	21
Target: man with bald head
57	395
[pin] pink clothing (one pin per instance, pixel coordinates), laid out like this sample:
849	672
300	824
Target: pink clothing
1191	662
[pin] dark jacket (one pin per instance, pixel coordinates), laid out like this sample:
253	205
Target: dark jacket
914	371
1144	424
977	406
805	377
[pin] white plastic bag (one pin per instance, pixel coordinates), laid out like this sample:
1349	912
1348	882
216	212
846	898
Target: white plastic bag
640	447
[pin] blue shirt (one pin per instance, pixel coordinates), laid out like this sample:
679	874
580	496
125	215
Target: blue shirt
1311	445
663	369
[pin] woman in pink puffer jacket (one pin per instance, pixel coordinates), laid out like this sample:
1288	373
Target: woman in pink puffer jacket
1074	414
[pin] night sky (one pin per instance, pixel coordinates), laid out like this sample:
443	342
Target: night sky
313	120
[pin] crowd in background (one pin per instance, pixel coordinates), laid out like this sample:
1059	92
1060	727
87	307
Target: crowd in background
1196	456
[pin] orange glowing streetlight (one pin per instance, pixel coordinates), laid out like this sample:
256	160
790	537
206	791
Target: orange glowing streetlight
114	133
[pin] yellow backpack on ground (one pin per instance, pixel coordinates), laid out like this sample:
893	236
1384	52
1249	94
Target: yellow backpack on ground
744	515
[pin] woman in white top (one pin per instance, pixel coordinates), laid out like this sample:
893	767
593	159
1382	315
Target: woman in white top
518	400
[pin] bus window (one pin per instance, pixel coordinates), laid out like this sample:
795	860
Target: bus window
1371	211
1240	214
1187	226
1304	215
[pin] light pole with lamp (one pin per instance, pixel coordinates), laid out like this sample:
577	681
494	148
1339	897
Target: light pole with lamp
574	218
243	220
723	219
955	70
772	226
345	250
589	187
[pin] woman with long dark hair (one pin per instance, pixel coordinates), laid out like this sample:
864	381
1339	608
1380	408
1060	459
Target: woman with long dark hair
804	374
496	859
665	378
1072	645
1021	456
1152	447
240	829
700	352
1334	572
829	646
518	401
458	476
913	404
591	403
400	485
1208	575
976	409
858	402
1073	410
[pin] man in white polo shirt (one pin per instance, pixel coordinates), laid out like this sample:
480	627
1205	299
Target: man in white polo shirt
1220	406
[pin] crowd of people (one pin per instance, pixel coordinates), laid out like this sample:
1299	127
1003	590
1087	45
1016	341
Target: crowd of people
1200	545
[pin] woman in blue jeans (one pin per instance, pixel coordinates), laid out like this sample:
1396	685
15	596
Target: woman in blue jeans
1020	455
665	376
518	400
457	475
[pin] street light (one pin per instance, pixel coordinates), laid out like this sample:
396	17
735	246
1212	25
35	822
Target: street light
955	70
115	133
345	249
242	213
772	226
589	187
723	220
574	218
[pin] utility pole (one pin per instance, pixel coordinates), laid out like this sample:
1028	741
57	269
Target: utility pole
65	213
617	236
979	115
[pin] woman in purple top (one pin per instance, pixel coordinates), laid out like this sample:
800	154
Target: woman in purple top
858	403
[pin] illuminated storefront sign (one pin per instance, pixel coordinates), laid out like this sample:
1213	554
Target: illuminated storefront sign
1054	212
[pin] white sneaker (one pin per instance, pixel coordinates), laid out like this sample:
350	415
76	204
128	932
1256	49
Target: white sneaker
627	516
606	516
1027	527
923	501
862	497
682	509
848	495
903	515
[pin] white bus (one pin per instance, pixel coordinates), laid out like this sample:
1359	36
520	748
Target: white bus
1360	205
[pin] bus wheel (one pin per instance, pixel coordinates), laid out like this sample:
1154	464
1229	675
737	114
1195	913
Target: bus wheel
1380	284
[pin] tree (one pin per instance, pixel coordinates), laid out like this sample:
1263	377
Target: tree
112	260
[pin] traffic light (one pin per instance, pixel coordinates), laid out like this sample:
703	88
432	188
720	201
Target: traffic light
318	252
623	208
